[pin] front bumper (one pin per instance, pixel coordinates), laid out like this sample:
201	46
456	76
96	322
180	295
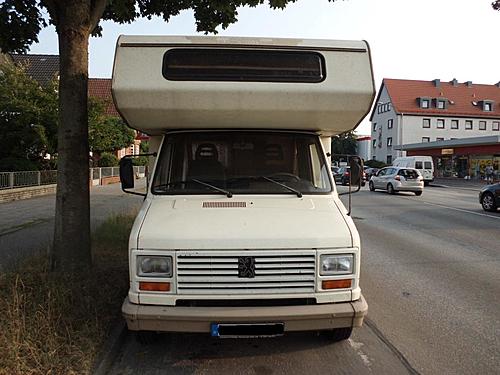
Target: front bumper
198	319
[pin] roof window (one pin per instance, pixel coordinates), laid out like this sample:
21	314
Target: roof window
424	102
487	105
441	103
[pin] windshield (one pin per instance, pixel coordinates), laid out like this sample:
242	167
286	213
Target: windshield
229	163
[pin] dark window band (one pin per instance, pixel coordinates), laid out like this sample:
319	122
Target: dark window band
212	64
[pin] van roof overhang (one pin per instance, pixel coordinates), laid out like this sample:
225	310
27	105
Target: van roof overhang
152	104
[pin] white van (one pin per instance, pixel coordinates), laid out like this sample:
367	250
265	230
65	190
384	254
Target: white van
423	164
242	232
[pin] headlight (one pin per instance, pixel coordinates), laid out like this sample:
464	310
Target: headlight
154	266
341	264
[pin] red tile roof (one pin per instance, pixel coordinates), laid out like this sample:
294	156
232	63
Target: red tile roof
101	88
404	96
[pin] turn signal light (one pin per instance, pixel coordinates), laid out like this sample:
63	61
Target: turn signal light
154	287
336	284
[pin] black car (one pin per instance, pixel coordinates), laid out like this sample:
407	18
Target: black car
489	197
344	175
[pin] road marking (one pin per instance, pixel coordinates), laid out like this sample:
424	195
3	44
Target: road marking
460	209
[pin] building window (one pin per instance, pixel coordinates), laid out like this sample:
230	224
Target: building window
374	126
440	104
425	103
439	139
426	123
454	124
389	123
389	159
440	123
374	143
389	142
468	124
487	106
425	139
496	126
482	125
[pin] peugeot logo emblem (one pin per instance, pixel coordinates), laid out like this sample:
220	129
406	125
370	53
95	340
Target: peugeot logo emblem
246	267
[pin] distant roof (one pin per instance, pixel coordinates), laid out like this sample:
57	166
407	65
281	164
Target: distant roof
42	68
461	97
472	141
101	88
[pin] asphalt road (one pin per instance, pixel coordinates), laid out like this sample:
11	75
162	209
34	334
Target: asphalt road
431	276
27	226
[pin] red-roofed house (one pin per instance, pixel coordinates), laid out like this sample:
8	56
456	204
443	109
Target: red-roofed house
101	88
410	112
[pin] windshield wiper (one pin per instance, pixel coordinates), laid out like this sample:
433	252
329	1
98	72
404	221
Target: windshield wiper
298	193
213	187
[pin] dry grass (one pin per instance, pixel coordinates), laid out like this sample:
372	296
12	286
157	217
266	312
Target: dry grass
55	323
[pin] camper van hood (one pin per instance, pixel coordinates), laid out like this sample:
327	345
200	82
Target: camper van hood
262	223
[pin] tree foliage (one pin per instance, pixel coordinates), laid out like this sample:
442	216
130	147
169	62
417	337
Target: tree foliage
496	4
107	134
28	115
344	144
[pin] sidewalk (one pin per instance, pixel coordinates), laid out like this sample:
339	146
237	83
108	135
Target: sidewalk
458	183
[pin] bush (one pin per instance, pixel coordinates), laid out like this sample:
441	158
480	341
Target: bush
16	164
375	164
107	160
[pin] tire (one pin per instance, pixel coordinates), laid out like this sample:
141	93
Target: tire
344	182
371	186
339	334
146	337
390	189
418	193
488	202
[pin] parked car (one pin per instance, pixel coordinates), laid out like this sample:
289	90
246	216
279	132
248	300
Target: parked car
371	172
343	176
489	197
394	179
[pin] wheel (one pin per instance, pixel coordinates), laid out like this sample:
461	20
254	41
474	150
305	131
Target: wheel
418	193
488	202
339	334
146	337
390	189
344	182
371	186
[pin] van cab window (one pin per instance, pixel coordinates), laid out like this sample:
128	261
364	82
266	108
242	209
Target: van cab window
256	162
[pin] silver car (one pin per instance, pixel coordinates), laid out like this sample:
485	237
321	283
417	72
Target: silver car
395	179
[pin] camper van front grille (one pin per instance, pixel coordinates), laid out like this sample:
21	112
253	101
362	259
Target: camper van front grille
245	272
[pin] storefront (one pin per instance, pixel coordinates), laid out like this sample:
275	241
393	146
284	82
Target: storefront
461	158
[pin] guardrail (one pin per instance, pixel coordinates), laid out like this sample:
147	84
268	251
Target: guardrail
11	180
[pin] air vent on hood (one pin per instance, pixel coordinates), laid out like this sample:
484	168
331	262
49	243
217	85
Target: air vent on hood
224	204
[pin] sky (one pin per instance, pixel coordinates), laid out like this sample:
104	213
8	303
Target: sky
409	39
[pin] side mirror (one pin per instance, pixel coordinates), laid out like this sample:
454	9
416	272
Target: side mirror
356	165
126	173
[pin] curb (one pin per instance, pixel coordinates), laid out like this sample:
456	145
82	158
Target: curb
110	349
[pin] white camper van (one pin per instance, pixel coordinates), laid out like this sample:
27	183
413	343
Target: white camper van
423	164
242	232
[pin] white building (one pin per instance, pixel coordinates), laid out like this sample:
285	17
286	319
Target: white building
409	112
363	146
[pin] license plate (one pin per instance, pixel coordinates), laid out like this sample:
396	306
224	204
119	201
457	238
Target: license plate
246	330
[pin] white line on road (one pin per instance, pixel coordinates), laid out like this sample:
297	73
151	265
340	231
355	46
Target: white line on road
461	210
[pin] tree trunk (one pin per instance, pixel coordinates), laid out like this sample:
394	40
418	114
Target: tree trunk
71	247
